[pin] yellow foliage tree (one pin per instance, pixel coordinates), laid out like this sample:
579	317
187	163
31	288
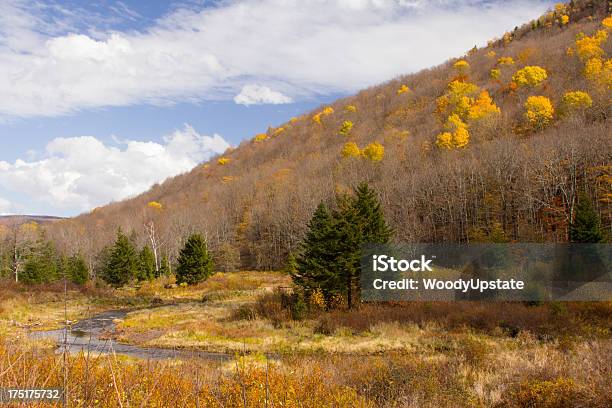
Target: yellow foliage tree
403	89
278	131
607	22
539	111
223	161
155	205
350	108
576	101
456	135
351	150
505	61
564	19
491	54
495	73
461	65
483	107
327	111
530	76
261	137
346	128
590	47
374	151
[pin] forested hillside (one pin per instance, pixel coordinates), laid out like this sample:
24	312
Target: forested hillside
495	145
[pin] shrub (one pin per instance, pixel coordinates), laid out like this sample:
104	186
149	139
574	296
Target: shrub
539	111
558	393
374	151
576	101
530	76
351	149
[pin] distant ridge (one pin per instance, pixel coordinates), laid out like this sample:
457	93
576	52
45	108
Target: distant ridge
24	218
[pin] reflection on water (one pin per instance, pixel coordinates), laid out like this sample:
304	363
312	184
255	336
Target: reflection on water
92	335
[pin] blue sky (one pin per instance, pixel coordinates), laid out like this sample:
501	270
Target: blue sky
102	99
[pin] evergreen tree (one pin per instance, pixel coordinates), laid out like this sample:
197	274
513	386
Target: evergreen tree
146	264
586	227
373	226
315	266
330	259
78	272
195	263
122	262
41	264
164	266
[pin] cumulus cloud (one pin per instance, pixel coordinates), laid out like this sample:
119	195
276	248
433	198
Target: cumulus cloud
79	173
258	95
310	47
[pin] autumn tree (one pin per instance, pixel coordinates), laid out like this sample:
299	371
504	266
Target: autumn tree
195	264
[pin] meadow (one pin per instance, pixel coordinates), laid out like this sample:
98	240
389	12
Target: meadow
387	355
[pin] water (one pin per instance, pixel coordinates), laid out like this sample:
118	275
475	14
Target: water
91	335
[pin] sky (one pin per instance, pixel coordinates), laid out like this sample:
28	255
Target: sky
100	100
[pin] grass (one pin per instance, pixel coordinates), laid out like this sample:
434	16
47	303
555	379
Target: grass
381	355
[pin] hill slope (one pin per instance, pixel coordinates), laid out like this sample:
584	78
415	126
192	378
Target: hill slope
510	176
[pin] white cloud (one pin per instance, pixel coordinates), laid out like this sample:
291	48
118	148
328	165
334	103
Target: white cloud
79	173
299	48
258	95
5	206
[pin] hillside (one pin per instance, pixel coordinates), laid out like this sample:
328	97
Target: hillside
457	166
23	219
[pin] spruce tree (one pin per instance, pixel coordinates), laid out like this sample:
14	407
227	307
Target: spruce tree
41	264
373	226
330	257
195	263
146	264
78	272
122	262
315	265
164	266
586	227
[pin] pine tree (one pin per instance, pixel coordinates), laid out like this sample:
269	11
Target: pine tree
164	266
122	262
77	270
586	227
330	259
41	264
195	263
373	226
146	264
314	266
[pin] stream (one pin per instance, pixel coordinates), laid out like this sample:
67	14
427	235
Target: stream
90	335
